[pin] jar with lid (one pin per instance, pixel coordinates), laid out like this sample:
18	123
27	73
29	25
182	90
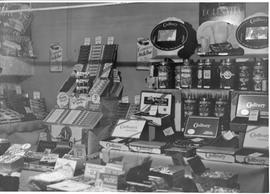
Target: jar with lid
258	76
207	74
204	107
189	106
186	75
200	74
163	75
178	77
220	107
227	74
244	77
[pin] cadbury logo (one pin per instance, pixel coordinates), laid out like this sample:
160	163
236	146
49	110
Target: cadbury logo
255	160
196	125
255	105
214	155
169	24
258	135
258	19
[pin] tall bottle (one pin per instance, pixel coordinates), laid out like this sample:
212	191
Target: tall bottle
186	75
227	74
200	74
207	74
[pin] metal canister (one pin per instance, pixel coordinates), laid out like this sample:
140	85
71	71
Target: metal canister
186	75
204	107
220	107
227	74
163	75
243	77
189	106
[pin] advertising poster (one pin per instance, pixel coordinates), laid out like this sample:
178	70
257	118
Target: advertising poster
233	13
56	57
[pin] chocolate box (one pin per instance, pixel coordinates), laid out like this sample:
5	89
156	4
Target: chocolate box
224	154
10	163
156	107
255	146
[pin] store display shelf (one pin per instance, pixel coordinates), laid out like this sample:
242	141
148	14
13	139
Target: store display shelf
196	57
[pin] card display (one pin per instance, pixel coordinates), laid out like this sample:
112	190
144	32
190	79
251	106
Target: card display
84	118
96	52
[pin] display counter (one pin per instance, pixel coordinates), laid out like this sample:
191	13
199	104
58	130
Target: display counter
252	178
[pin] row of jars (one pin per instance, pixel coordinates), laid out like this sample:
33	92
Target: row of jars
205	106
208	74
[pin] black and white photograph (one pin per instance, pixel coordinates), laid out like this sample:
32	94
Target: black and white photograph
134	96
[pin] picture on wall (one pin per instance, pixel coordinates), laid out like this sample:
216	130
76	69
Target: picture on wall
233	13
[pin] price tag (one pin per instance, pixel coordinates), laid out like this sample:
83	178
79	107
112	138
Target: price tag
36	95
98	39
18	89
87	41
110	40
168	131
253	115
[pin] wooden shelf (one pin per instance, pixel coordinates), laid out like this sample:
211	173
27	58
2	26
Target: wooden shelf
196	57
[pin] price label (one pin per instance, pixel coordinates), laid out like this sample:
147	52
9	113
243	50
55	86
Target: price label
98	39
36	95
110	40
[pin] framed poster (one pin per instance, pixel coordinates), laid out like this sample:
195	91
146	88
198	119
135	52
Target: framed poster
233	13
56	57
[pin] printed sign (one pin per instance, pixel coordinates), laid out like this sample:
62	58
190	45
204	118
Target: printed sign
144	50
233	13
79	102
129	128
62	100
256	137
87	41
56	57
